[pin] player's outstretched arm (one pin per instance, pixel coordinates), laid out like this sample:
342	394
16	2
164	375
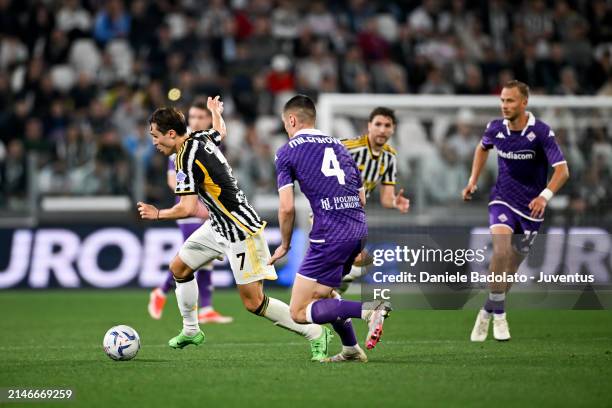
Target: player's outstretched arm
558	179
216	109
389	199
286	218
480	158
189	206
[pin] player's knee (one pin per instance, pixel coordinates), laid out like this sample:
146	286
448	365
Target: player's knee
179	269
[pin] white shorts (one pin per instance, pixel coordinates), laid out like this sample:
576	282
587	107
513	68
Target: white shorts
248	258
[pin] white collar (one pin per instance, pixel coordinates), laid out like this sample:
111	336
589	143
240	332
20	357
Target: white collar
308	132
530	122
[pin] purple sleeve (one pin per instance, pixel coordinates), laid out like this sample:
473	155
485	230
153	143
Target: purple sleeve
551	149
284	171
487	141
171	165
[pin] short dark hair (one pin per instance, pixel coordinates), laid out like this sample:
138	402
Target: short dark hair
382	111
200	102
521	86
168	119
303	107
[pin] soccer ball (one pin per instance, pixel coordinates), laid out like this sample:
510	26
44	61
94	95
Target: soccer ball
121	342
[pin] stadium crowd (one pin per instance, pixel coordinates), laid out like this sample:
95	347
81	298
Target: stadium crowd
78	79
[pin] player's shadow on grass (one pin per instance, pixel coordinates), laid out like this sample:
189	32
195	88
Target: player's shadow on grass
146	360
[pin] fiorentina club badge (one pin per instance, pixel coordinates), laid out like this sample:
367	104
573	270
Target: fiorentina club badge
180	177
531	136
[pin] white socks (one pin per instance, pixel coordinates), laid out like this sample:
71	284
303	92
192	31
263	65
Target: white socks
356	272
278	312
187	299
350	350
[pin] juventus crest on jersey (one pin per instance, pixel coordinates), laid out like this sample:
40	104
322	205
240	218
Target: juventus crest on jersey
202	169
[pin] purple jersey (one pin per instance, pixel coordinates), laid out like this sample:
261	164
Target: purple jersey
329	178
523	160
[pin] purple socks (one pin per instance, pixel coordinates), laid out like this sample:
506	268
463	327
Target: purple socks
495	303
204	279
205	287
337	312
332	310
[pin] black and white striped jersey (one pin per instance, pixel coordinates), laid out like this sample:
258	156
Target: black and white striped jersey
202	169
374	169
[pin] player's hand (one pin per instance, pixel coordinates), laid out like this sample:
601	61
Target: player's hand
148	211
401	203
278	254
468	191
215	104
537	207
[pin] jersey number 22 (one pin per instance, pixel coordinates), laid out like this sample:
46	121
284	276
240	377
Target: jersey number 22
331	167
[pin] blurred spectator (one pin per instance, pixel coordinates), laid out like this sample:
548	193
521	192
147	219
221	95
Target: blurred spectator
73	19
285	21
319	20
426	20
463	140
83	92
474	84
436	84
320	63
350	67
111	22
600	18
445	175
53	178
389	77
138	144
373	46
538	22
12	52
13	173
569	84
280	78
35	141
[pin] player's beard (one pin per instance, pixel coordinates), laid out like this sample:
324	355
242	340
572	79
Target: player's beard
380	141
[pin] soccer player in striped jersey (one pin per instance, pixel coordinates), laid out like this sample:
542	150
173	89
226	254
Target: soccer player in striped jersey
526	148
204	180
200	118
377	164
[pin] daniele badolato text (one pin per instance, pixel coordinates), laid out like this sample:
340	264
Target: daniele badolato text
402	255
478	277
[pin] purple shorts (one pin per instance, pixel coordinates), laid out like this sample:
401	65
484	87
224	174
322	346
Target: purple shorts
524	230
327	263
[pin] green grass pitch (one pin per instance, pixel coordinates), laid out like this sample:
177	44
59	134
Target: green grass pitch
53	339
